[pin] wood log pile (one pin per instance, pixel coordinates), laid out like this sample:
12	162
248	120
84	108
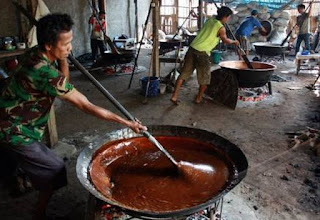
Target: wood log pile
310	137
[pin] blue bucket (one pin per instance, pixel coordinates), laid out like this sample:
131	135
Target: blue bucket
153	89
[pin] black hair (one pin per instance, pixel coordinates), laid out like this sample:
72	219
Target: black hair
102	12
224	12
302	6
50	26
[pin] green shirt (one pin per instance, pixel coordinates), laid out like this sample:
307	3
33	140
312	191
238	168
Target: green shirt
27	97
207	38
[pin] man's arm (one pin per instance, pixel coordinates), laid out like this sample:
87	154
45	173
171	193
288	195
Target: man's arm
64	67
81	102
223	36
263	29
310	9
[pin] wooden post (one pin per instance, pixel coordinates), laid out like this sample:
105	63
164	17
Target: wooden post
136	20
129	18
200	17
102	5
34	5
52	134
155	34
94	4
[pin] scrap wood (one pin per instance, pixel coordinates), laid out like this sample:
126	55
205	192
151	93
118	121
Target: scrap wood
313	130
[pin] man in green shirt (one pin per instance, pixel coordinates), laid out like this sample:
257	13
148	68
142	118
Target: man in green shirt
198	55
26	100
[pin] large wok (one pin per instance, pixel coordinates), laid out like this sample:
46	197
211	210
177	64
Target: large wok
239	165
250	78
269	49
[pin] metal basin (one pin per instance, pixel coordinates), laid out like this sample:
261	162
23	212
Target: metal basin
249	78
238	164
268	27
269	49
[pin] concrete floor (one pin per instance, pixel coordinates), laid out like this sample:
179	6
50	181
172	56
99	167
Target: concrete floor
258	128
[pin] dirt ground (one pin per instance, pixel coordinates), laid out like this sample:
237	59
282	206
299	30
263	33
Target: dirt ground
281	182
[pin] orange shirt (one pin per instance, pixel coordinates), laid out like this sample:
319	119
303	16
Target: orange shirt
97	33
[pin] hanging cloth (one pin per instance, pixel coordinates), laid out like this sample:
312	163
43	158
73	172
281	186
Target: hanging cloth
41	11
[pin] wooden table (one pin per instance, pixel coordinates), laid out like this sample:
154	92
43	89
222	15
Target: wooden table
11	53
300	58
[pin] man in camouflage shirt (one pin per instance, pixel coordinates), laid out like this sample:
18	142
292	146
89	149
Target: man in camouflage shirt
26	100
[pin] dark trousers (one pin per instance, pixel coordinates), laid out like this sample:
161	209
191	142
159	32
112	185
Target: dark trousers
95	44
45	169
306	39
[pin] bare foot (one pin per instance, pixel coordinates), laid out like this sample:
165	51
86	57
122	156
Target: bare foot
175	101
198	100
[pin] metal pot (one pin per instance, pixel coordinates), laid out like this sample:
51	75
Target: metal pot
269	49
125	56
239	165
250	78
268	27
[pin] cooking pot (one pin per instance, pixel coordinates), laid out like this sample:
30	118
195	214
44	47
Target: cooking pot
269	49
268	27
249	78
238	165
108	58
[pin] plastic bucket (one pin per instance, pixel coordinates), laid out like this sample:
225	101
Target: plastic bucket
153	88
216	56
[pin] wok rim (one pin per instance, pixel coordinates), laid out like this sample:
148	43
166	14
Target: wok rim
272	67
83	164
268	45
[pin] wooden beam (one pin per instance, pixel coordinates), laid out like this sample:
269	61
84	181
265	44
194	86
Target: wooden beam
155	34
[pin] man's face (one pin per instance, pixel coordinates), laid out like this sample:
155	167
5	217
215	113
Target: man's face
62	48
225	19
300	10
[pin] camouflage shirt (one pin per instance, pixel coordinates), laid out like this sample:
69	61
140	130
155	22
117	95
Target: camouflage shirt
27	97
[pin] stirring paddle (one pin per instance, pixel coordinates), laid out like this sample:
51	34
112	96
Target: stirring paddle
244	56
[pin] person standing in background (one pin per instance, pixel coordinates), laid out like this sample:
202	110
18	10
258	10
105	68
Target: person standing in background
198	55
316	38
245	29
97	34
303	22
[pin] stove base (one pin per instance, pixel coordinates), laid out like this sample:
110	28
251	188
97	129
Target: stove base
100	210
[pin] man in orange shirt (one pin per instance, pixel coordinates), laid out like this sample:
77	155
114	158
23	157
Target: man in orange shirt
97	34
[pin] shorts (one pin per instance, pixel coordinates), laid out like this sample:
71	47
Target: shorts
201	62
45	169
244	42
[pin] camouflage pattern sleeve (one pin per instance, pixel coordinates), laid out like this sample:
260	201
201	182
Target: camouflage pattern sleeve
54	83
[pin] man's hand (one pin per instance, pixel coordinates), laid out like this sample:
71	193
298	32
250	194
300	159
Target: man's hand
136	126
236	42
